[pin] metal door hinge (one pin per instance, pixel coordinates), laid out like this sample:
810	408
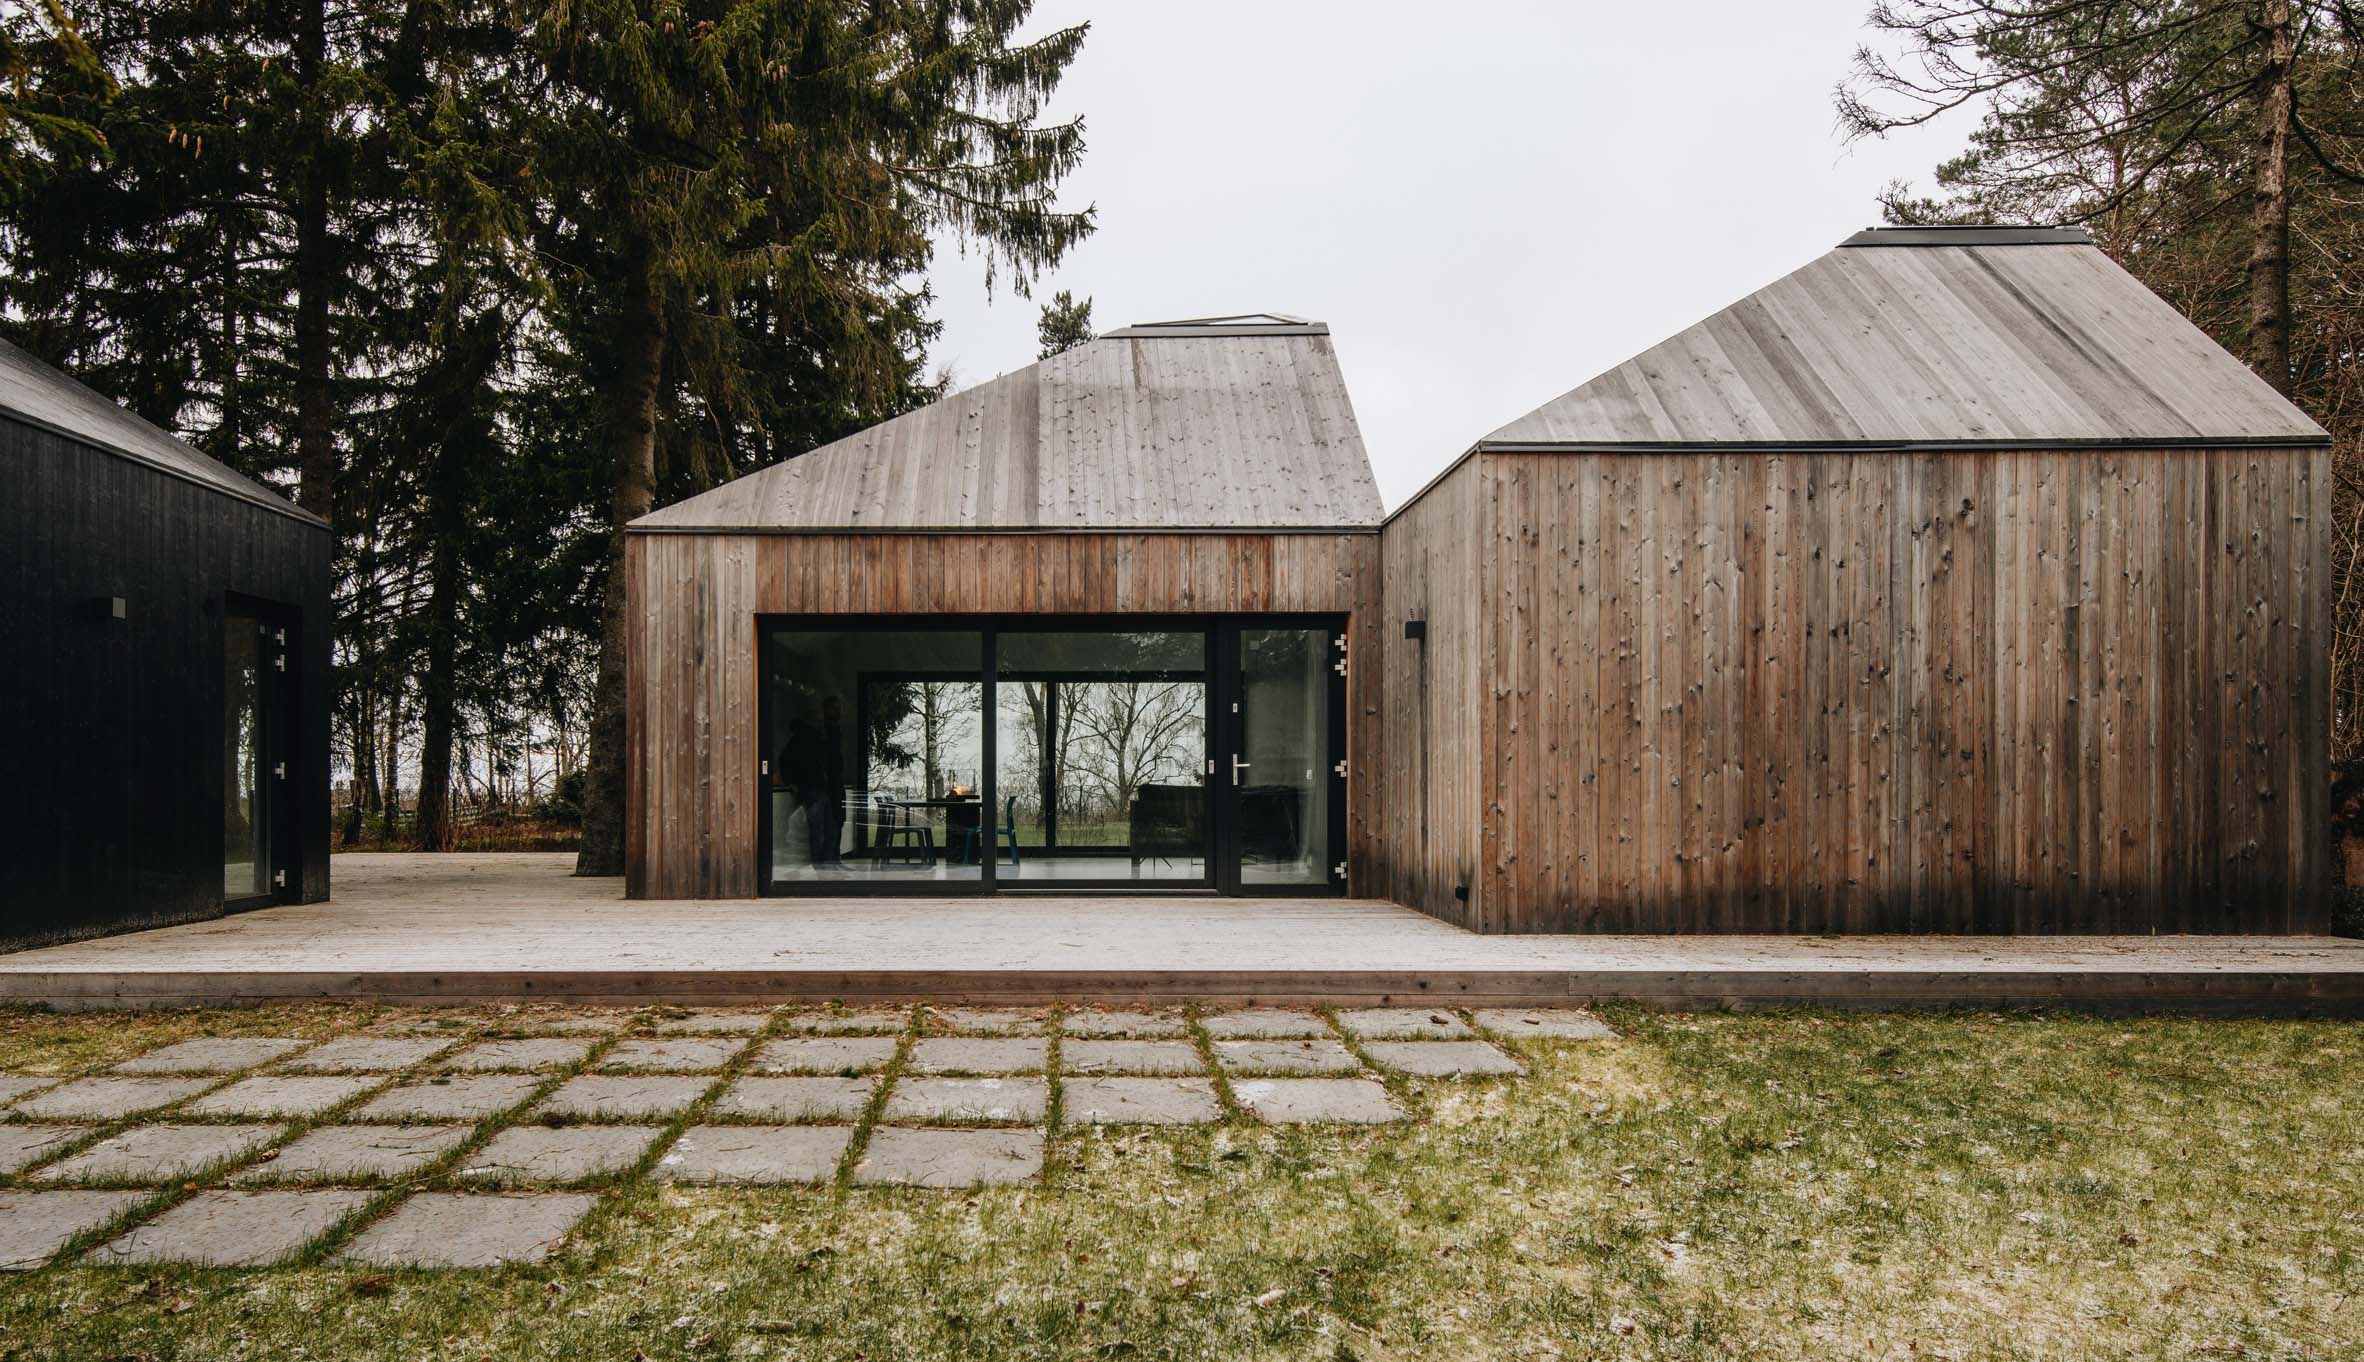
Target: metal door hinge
279	769
1339	666
279	878
279	636
1338	871
1340	768
280	662
763	768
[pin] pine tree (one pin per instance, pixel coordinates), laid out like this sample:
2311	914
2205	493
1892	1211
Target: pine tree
1064	325
731	181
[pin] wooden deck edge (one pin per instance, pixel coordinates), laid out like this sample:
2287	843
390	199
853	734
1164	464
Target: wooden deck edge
2199	992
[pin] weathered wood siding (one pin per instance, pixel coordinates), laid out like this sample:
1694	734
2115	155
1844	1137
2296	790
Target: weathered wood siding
1431	762
1854	692
691	674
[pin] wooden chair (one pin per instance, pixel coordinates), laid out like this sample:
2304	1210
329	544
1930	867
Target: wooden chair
899	833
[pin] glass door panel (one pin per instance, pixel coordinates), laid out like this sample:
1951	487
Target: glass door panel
1285	787
246	754
874	743
1102	757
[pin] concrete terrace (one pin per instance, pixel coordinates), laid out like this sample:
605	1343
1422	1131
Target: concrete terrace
483	928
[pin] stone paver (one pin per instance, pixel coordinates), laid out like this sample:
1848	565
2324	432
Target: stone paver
1130	1057
1555	1023
1402	1023
212	1054
366	1055
107	1099
24	1146
725	1155
1265	1023
14	1086
450	1099
1440	1058
825	1055
573	1023
233	1229
988	1021
564	1154
357	1153
961	1055
460	1229
1124	1024
281	1095
715	1024
160	1153
1285	1057
1142	1101
968	1099
1303	1101
797	1099
949	1158
684	1056
615	1097
35	1225
550	1052
858	1022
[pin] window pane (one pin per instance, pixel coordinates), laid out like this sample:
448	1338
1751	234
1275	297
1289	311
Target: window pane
1284	800
876	745
245	827
1103	750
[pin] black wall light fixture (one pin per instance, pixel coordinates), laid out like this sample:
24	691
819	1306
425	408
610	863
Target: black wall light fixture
107	609
1416	629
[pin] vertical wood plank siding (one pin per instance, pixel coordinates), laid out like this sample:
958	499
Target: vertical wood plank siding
691	674
2067	691
1427	816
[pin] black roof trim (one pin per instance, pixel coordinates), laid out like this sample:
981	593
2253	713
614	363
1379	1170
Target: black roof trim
1970	236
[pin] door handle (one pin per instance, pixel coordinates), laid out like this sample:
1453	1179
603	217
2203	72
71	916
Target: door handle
1238	766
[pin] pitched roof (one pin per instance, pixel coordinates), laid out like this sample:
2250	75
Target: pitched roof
1990	336
45	396
1215	423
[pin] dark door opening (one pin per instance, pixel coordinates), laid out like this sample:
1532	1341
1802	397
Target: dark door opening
259	844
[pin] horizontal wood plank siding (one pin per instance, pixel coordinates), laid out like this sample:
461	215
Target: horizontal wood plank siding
2069	691
694	599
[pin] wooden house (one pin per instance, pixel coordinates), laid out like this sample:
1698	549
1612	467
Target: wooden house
1953	583
1085	625
167	687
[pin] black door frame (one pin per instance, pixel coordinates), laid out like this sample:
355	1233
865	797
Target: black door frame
279	692
1232	740
1220	727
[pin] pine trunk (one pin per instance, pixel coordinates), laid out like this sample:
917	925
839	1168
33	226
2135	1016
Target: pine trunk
633	443
2269	245
438	687
315	263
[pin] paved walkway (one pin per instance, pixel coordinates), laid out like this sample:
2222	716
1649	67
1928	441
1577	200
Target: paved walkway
410	928
463	1143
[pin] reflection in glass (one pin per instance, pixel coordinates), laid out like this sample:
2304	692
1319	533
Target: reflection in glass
1102	746
1285	792
875	743
245	850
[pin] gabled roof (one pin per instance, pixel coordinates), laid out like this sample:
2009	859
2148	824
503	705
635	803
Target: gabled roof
1215	423
44	396
1967	335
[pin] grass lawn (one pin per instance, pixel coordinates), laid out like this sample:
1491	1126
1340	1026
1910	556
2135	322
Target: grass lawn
1793	1185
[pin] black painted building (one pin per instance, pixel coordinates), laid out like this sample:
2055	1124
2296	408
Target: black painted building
164	686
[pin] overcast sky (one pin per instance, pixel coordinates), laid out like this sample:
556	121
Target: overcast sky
1489	202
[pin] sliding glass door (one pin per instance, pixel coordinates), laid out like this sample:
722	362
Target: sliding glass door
951	756
257	733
